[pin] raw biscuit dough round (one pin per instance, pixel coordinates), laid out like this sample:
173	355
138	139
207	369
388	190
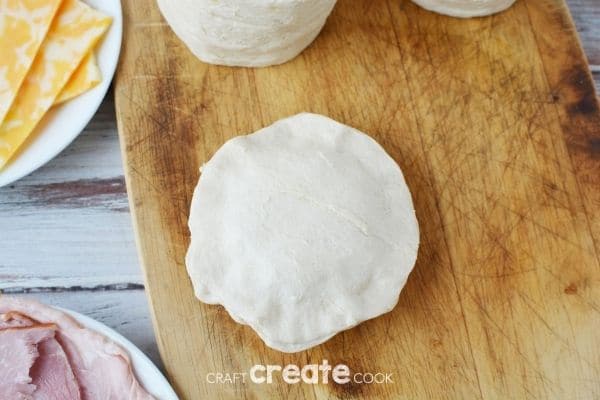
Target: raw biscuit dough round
301	230
465	8
247	33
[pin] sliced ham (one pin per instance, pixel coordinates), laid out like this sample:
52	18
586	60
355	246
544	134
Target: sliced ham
18	352
14	320
101	367
52	374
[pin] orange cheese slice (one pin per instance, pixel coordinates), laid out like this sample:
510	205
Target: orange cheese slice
86	76
23	26
73	33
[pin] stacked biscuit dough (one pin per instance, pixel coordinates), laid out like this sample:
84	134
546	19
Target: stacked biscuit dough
258	33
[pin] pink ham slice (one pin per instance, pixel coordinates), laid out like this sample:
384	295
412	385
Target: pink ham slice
18	352
14	320
51	373
101	367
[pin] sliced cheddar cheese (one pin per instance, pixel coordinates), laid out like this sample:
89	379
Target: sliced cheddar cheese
73	33
23	26
86	76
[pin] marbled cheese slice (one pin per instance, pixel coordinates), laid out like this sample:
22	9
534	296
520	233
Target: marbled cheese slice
86	76
23	26
73	33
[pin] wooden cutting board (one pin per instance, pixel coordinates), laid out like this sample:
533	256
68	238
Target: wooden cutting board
496	125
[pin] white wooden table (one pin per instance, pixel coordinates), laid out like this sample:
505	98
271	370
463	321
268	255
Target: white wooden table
65	231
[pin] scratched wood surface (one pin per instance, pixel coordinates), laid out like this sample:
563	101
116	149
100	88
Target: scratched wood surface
495	124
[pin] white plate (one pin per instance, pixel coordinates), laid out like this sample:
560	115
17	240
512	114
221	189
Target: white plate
148	375
62	124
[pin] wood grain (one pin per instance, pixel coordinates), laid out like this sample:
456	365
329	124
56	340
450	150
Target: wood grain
495	124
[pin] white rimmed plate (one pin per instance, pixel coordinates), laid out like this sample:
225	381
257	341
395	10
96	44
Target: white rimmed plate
148	375
62	124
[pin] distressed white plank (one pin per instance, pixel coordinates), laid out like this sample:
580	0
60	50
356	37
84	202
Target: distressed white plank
126	311
586	14
65	247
